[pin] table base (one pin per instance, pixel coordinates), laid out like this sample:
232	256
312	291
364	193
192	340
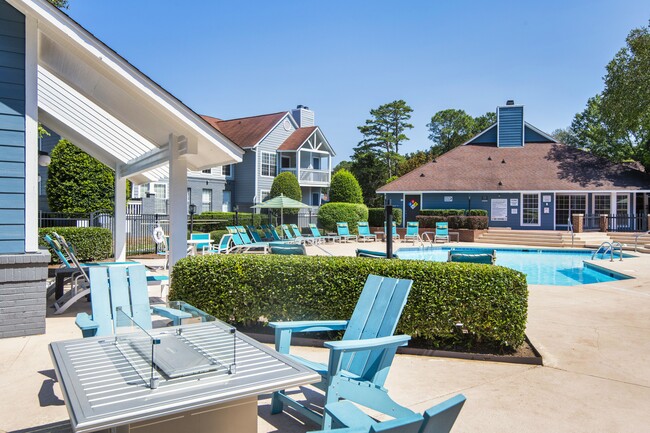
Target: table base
233	417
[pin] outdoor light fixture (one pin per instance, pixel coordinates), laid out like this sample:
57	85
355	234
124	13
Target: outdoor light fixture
43	158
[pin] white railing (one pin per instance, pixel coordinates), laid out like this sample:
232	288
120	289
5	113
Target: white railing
314	176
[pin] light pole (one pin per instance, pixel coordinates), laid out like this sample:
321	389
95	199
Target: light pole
192	210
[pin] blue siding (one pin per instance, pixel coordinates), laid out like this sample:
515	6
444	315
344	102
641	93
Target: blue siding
511	124
12	130
490	136
484	201
534	137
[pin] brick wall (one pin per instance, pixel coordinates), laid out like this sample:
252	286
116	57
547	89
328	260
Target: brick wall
22	294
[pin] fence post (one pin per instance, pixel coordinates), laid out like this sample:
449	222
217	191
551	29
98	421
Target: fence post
578	222
603	222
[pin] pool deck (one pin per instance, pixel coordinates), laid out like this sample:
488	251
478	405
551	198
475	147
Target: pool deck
595	341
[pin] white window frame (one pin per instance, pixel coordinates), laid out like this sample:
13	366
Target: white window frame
203	202
539	209
629	204
264	192
165	188
593	203
231	167
274	165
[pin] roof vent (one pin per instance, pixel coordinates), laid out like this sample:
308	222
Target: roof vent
434	160
503	161
500	183
489	158
510	102
421	174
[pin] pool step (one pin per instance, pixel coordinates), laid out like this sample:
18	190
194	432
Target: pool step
628	239
543	238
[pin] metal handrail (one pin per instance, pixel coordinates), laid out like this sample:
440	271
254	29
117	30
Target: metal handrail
610	250
570	227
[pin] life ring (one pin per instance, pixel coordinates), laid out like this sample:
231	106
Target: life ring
158	235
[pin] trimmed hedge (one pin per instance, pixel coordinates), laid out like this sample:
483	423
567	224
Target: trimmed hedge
331	213
344	188
490	301
455	222
90	243
376	216
228	218
477	212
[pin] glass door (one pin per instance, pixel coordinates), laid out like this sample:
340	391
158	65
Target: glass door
566	205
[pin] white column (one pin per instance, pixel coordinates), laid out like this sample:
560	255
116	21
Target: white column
612	203
119	234
177	203
31	134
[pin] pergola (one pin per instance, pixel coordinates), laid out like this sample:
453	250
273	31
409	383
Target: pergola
86	92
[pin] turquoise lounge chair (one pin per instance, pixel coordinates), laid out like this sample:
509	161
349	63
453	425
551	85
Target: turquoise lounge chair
255	235
412	232
359	364
316	234
123	287
344	232
438	419
248	245
364	232
299	237
395	235
442	232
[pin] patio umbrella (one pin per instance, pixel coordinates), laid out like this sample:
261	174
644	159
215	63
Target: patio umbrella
281	202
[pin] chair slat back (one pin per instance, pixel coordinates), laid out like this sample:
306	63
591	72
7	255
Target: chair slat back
56	247
394	228
442	229
375	315
296	230
254	234
140	309
286	231
243	235
314	230
274	234
364	229
412	228
101	300
224	243
342	229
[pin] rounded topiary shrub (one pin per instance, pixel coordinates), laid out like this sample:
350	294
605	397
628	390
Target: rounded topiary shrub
287	184
331	213
345	188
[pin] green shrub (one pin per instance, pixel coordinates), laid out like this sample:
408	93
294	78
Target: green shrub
90	243
443	212
344	188
490	301
455	222
376	216
227	219
286	183
331	213
477	212
217	234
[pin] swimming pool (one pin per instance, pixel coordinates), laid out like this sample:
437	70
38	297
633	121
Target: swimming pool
549	267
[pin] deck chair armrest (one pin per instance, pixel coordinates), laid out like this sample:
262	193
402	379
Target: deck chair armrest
283	330
171	313
368	344
87	325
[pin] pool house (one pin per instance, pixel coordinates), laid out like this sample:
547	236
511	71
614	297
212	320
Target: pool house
526	179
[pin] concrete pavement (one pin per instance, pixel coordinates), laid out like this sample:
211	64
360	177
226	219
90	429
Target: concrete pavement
596	377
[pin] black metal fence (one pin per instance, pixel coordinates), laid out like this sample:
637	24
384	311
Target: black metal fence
627	223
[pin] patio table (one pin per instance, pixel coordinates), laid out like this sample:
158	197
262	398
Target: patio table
112	382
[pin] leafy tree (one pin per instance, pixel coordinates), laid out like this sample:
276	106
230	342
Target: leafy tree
345	188
286	183
61	4
483	122
413	161
371	169
386	129
626	98
448	129
342	165
78	183
563	135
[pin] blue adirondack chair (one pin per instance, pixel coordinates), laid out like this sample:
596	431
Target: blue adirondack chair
344	232
124	287
442	232
364	232
359	364
438	419
412	232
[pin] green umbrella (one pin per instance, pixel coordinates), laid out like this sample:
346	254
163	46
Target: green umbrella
281	202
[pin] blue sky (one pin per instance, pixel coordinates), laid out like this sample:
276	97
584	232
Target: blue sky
341	58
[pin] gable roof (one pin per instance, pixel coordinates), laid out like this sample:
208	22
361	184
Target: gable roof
297	139
538	167
246	132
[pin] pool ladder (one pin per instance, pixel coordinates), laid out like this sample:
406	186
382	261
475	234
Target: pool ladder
609	248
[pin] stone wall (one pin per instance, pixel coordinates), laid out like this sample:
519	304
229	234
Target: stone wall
22	293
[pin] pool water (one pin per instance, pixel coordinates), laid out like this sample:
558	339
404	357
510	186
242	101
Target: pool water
548	267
